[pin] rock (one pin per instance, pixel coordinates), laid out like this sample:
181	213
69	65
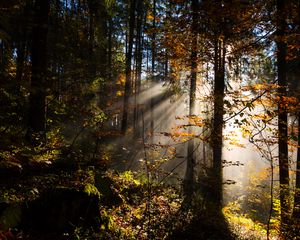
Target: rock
62	210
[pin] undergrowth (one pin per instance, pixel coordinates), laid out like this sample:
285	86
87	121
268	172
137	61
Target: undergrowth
244	227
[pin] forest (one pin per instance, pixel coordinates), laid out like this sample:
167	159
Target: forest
150	119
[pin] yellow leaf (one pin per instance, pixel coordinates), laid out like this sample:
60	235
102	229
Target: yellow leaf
119	93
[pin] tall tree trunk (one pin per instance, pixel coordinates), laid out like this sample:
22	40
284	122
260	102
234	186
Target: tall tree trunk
217	133
22	44
55	56
153	46
1	53
98	32
167	54
127	89
282	111
92	56
102	36
296	210
20	63
109	53
191	161
166	67
37	115
139	56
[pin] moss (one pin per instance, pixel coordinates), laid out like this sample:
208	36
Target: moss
90	189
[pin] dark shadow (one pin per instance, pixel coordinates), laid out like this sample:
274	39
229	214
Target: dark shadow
205	226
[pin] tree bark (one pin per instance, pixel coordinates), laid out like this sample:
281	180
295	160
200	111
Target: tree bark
98	32
36	130
191	161
139	57
127	90
217	133
282	111
20	63
296	210
22	44
153	48
92	60
109	52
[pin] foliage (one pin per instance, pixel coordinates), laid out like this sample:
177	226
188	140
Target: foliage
144	213
91	57
242	225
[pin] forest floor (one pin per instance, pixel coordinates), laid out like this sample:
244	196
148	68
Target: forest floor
131	206
130	209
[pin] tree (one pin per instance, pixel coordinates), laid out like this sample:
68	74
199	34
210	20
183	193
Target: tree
138	61
153	68
22	43
191	161
217	132
282	111
296	210
229	32
219	44
296	86
37	108
98	32
128	81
